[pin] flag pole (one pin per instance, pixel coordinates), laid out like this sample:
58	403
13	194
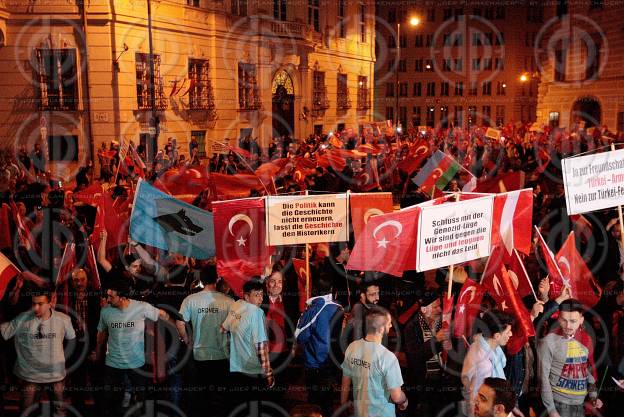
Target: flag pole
452	267
526	275
307	263
619	207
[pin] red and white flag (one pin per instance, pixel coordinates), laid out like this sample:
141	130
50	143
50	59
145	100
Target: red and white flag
575	274
6	240
8	271
68	264
468	308
512	220
302	281
554	273
386	243
519	275
239	229
365	205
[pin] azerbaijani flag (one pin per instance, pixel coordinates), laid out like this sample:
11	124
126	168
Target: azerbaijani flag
437	172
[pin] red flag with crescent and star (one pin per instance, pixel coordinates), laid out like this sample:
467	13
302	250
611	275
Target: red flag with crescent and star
239	228
468	307
575	274
418	152
554	273
365	205
302	275
512	217
386	243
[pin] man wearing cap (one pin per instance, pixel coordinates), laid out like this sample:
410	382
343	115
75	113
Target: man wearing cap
425	340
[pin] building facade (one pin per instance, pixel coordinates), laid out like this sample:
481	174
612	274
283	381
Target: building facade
463	63
76	77
580	49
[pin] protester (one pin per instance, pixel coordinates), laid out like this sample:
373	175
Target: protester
356	324
495	398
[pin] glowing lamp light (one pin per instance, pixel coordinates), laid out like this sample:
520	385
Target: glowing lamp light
414	21
523	78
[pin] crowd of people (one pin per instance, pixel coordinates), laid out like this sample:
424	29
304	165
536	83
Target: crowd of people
140	324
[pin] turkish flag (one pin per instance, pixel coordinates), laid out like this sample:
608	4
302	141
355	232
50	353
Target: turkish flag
468	307
512	218
23	232
332	159
68	264
300	269
576	275
94	274
365	205
509	301
554	273
519	275
509	181
417	153
239	228
5	229
235	186
447	313
89	195
115	224
386	243
8	271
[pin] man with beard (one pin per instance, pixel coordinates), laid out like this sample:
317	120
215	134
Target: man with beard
369	297
373	370
495	398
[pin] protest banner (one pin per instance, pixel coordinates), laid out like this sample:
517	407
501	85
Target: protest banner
453	233
293	220
593	182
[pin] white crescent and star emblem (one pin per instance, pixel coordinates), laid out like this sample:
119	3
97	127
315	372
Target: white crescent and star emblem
497	285
418	150
302	273
472	290
242	217
514	278
393	223
504	305
371	212
564	261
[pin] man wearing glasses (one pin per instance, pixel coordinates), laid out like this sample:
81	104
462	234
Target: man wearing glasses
122	330
39	335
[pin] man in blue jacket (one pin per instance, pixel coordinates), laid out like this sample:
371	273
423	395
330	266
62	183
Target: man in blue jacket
318	331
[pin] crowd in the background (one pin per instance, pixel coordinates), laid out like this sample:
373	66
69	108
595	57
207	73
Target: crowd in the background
156	325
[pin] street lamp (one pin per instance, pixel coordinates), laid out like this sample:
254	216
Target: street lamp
414	21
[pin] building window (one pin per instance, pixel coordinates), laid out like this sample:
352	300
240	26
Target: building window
389	89
342	29
620	121
58	86
402	66
476	11
459	40
459	88
194	3
431	89
560	62
553	119
313	14
418	89
488	13
535	14
592	59
448	14
362	22
403	41
486	88
428	40
500	115
487	38
363	95
500	88
392	42
342	92
476	64
562	8
392	15
419	65
248	93
279	9
200	136
444	89
429	65
446	39
500	13
143	86
444	117
596	4
459	116
418	43
500	38
403	89
458	64
200	91
403	115
487	64
431	116
476	39
431	15
389	113
63	148
487	115
416	116
239	7
472	115
500	64
319	92
459	14
473	88
446	65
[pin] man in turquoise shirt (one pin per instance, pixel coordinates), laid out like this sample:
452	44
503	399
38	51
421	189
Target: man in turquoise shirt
122	330
205	311
373	370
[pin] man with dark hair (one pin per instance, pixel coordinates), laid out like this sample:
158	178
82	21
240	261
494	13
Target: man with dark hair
205	311
486	358
565	364
373	370
495	398
355	327
39	335
249	345
317	330
122	330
